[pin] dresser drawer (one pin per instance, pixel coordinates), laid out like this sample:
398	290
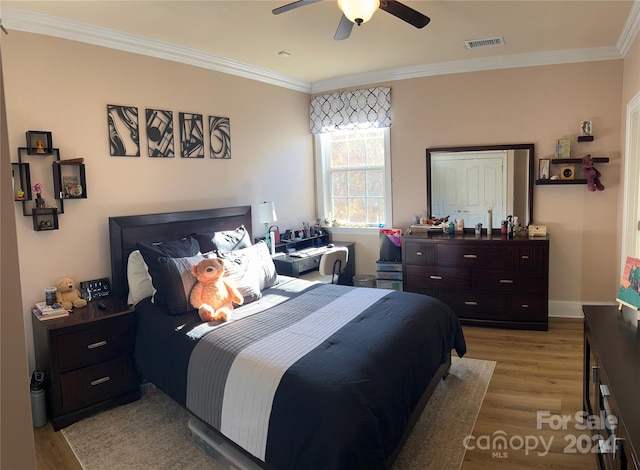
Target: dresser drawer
92	384
477	306
419	253
509	281
433	277
108	339
527	307
527	257
471	255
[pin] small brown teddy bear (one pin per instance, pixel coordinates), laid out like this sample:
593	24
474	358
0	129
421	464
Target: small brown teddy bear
68	295
591	174
213	295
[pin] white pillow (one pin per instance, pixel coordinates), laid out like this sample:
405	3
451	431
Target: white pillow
140	286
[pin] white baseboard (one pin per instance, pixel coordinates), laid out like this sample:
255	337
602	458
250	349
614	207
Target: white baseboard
571	309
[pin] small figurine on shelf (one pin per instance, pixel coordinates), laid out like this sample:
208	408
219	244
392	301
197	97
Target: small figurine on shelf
37	188
45	225
40	146
19	195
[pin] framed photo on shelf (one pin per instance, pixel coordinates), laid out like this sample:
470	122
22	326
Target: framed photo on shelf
544	167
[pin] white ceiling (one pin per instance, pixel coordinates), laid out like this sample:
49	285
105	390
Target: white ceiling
244	37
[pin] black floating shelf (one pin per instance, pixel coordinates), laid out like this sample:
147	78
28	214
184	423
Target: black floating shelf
557	161
551	182
585	138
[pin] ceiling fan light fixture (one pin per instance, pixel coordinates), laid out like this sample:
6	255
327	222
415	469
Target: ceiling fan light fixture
358	11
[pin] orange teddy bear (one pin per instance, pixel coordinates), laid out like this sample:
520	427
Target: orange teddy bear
213	295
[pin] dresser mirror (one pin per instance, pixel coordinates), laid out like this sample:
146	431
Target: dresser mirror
464	182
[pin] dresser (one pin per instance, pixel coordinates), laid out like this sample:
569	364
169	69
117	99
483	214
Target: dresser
611	385
87	359
491	281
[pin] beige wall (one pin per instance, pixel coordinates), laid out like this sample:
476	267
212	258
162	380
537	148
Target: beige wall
68	94
17	448
533	104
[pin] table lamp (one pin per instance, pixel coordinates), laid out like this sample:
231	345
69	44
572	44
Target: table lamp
266	214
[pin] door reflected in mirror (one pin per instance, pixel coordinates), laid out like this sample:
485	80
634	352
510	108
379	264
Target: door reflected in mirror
465	182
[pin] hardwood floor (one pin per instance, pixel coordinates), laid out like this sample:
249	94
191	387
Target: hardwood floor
535	371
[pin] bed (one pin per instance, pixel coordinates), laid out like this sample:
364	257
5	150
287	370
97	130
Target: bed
304	375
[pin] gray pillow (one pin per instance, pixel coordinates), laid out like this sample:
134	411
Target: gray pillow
251	270
226	240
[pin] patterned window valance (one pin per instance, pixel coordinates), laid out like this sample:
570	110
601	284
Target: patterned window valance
359	109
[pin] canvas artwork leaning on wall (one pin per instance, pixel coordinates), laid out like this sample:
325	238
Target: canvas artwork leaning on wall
630	283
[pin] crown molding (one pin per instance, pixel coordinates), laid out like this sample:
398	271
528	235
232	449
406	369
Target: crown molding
630	30
38	23
471	65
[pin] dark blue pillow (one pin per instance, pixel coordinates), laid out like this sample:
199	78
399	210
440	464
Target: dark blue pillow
152	252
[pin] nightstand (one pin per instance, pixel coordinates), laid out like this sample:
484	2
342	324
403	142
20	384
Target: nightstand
87	359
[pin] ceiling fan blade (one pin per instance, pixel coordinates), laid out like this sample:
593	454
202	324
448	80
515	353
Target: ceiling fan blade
405	13
291	6
344	29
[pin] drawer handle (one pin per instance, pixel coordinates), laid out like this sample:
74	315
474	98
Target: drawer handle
525	256
617	445
438	278
97	345
470	302
100	381
419	253
604	391
525	305
506	281
470	256
609	447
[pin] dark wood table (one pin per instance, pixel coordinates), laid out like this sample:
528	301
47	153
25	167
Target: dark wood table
612	360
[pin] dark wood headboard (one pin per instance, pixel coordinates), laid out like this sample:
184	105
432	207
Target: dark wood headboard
125	231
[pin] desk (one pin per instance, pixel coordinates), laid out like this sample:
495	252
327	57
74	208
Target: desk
295	265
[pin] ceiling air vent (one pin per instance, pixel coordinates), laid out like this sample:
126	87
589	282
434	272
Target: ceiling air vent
488	42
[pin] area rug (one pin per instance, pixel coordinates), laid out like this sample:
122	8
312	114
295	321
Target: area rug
152	432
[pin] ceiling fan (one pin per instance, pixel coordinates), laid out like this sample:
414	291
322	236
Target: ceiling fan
361	11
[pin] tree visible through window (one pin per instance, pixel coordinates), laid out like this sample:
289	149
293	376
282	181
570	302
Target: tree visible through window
355	176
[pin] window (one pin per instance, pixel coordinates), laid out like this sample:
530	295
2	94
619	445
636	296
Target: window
353	173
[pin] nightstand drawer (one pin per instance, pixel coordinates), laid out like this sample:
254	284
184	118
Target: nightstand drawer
92	384
108	339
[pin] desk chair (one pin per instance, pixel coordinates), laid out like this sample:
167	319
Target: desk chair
333	262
